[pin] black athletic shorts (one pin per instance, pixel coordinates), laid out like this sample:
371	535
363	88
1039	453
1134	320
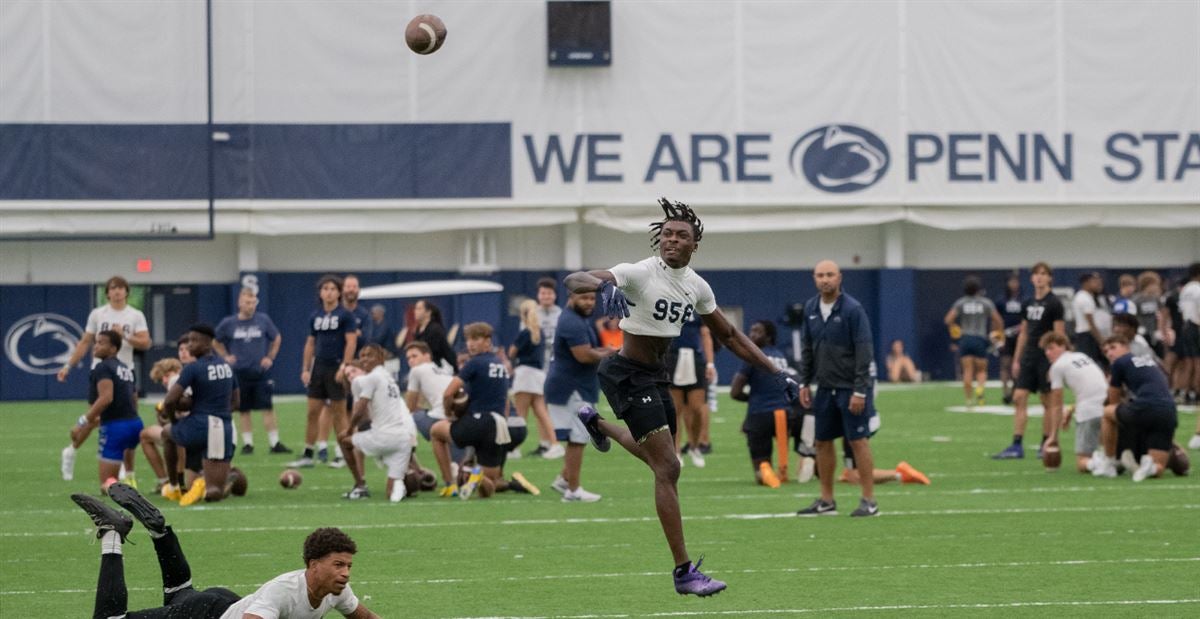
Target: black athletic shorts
1086	344
639	395
672	359
323	384
1010	347
478	430
1148	425
1188	340
759	429
1035	370
188	603
255	393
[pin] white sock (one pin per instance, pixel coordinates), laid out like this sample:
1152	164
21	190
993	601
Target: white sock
322	445
71	448
397	490
248	438
110	544
273	437
337	450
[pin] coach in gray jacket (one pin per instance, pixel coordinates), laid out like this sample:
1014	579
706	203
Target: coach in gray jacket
838	358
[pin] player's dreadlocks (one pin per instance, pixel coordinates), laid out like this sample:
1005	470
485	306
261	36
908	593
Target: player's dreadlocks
675	211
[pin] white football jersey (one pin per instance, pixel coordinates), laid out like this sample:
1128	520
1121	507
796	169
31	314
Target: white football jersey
660	298
431	380
1077	371
388	411
132	321
286	597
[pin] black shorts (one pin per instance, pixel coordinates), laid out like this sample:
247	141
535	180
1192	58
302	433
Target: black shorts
1086	344
1187	340
255	393
759	429
478	430
1035	369
1147	425
1010	347
672	359
639	395
323	384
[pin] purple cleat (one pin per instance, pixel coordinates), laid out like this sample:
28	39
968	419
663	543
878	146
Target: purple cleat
591	421
693	581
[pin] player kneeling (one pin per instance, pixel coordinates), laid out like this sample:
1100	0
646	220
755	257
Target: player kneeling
392	435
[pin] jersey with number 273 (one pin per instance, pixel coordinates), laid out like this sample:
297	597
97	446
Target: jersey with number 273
661	298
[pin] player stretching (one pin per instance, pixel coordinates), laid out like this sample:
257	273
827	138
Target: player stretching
654	298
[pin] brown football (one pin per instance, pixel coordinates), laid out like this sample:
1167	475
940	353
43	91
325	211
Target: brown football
290	479
1052	457
425	34
1178	460
237	482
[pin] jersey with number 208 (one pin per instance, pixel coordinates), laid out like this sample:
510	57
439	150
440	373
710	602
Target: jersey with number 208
661	298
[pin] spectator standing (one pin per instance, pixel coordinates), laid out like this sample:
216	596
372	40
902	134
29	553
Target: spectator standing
432	331
249	342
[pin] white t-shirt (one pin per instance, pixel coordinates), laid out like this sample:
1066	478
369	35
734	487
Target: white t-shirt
430	380
286	597
660	298
826	309
1083	304
388	411
1189	302
131	320
1077	371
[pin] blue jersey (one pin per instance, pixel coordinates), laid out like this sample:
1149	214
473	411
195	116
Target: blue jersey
248	340
689	336
330	329
566	374
362	322
1144	379
124	400
1011	313
766	392
528	353
1123	306
212	383
486	381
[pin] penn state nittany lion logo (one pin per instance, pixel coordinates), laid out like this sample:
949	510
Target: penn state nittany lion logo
840	158
42	343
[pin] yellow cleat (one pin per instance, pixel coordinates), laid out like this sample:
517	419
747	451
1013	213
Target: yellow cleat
909	475
194	494
130	481
449	490
171	492
769	478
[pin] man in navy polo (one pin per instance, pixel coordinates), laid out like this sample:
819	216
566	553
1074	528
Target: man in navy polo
250	342
837	356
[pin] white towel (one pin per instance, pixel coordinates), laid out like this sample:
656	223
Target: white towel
502	435
685	367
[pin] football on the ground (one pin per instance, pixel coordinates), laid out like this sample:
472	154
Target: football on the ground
1052	456
428	479
412	483
237	482
1178	460
290	479
425	34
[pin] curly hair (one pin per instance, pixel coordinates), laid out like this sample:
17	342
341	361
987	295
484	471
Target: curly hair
325	541
675	211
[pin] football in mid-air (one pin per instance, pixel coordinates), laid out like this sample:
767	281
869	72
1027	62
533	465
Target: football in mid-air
1052	456
425	34
290	479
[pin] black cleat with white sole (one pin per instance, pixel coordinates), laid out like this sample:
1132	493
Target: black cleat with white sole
136	504
105	517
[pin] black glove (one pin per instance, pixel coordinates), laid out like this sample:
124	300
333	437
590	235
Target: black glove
791	388
612	301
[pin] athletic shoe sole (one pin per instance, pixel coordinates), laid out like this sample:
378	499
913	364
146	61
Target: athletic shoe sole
104	517
137	505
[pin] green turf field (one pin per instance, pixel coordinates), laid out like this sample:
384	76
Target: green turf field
987	538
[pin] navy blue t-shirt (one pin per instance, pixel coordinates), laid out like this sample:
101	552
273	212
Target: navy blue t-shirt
248	340
528	353
566	374
330	329
124	403
689	336
362	322
766	393
212	383
1143	377
486	381
1011	313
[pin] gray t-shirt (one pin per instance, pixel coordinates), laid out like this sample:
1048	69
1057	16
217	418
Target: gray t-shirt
974	314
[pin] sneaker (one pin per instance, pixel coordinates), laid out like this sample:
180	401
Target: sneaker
1147	468
525	484
1096	459
105	517
1104	467
808	468
171	492
579	495
247	449
323	454
591	421
68	463
979	400
684	449
910	475
1012	452
357	492
337	463
819	508
541	449
280	448
194	494
515	454
1007	399
1194	442
303	463
448	490
694	581
805	451
146	513
1128	462
865	509
706	448
130	480
554	452
767	474
560	485
697	458
467	489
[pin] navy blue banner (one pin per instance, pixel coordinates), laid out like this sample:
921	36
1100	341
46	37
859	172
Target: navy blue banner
267	162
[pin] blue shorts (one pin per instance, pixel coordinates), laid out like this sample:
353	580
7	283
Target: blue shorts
973	346
117	436
831	411
210	436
